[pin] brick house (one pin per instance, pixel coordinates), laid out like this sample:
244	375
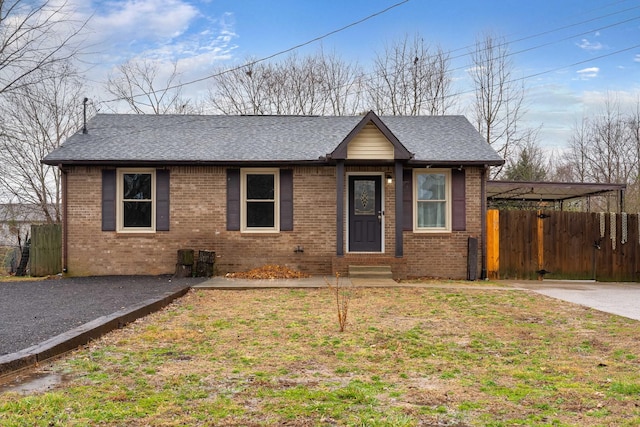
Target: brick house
310	192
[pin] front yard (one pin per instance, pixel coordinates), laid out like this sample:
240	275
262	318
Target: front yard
408	357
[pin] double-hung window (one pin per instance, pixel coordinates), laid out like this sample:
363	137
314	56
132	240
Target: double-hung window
136	200
432	196
260	200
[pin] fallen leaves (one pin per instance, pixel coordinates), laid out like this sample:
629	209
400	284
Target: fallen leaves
269	271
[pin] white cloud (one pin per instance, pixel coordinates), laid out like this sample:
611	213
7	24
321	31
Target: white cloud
589	46
143	19
626	100
636	58
588	73
162	31
119	30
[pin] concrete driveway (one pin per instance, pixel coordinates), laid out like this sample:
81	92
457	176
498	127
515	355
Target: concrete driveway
622	299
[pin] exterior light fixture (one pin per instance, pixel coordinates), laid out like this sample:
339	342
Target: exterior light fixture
389	179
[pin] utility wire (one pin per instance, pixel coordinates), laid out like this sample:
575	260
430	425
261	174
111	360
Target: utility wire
192	118
266	58
520	79
553	30
248	64
503	44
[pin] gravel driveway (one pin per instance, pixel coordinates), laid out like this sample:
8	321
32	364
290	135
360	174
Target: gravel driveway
34	311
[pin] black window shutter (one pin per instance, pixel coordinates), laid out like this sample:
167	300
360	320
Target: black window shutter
407	200
233	199
458	214
286	200
162	200
108	200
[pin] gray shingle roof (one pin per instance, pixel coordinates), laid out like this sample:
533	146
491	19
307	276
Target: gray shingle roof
127	138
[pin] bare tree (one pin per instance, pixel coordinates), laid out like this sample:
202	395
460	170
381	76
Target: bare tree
633	134
559	169
498	104
605	148
246	90
303	79
34	36
142	86
35	119
341	85
575	158
609	150
410	79
315	84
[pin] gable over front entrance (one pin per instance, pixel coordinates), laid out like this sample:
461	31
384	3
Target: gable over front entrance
313	193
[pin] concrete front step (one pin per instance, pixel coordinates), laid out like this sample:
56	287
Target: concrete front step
370	272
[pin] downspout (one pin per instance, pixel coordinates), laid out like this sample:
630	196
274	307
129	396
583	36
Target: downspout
483	222
65	233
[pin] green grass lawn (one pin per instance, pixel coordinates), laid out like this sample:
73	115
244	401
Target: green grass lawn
408	357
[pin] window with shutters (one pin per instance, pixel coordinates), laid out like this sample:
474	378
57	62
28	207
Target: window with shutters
259	208
432	200
135	208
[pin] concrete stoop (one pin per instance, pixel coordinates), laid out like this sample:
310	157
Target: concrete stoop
370	272
371	276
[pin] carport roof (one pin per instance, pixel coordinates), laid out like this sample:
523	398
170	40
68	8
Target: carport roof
546	191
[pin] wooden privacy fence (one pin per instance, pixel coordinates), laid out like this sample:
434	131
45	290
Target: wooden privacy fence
562	245
45	254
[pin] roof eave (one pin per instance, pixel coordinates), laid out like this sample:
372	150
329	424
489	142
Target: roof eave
161	163
319	161
453	163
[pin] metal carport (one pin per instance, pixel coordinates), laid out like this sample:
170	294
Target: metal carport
550	192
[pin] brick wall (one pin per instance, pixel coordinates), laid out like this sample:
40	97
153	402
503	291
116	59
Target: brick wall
445	254
198	221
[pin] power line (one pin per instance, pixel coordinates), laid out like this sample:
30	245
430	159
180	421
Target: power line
266	58
520	79
553	30
458	49
503	44
580	62
191	118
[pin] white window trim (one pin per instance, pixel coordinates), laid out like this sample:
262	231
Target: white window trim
120	202
243	200
448	218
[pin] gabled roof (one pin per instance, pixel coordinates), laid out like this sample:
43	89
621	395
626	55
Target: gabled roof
198	139
399	150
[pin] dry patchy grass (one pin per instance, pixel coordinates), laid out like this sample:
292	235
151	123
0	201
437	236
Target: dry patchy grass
408	357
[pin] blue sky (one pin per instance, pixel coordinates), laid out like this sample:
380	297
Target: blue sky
570	54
